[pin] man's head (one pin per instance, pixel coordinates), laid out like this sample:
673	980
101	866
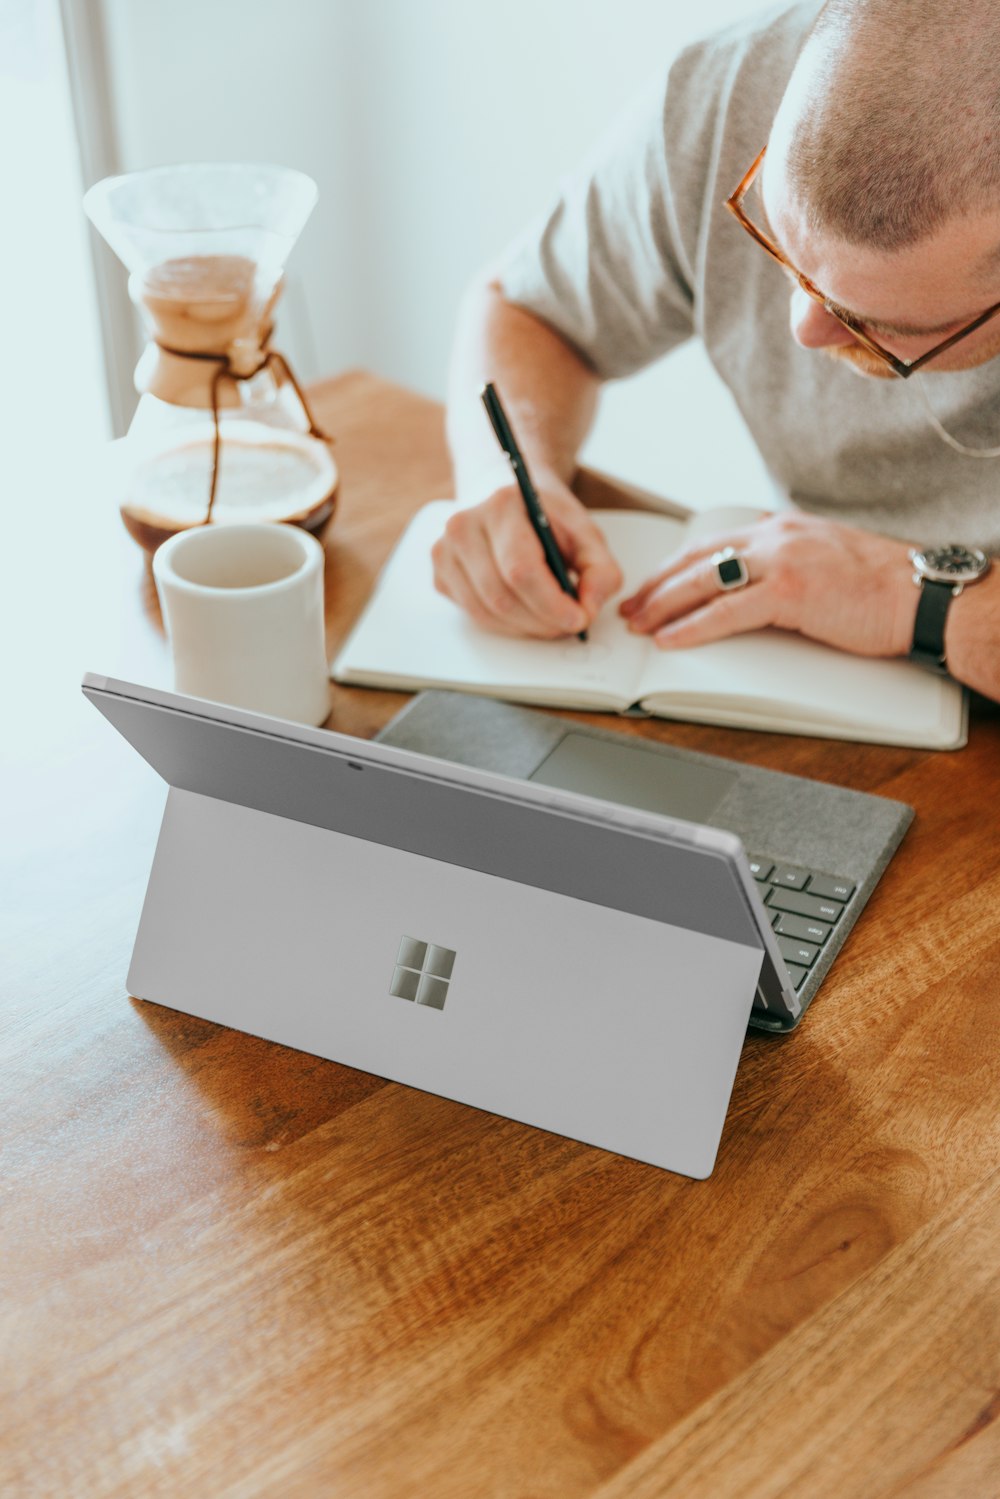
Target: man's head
882	178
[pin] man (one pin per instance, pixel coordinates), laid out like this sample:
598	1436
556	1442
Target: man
878	196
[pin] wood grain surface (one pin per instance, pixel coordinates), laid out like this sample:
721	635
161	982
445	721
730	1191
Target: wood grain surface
231	1269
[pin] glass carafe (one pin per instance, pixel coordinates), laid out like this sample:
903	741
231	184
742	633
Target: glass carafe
222	431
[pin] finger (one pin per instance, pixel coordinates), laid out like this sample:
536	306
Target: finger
451	580
678	563
495	613
678	595
690	557
519	560
749	608
466	570
487	602
599	575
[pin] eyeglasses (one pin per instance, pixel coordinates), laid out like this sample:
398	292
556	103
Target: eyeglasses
902	367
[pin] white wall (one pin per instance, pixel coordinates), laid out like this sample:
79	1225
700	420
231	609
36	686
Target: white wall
434	128
50	376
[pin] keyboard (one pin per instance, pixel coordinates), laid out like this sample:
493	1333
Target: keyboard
805	906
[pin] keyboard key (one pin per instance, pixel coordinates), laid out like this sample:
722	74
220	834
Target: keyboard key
801	904
789	877
797	975
761	868
798	926
797	952
831	887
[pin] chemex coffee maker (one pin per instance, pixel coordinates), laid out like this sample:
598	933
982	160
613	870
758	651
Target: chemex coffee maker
222	432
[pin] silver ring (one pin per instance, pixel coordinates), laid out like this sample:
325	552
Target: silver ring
730	569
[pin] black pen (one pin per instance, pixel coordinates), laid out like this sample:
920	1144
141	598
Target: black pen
533	505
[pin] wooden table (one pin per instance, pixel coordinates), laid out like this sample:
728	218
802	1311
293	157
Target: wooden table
232	1269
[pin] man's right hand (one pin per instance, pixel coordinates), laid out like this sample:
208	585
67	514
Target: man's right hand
490	562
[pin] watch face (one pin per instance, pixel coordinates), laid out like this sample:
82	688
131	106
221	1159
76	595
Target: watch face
951	564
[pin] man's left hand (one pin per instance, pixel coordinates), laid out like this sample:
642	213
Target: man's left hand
848	588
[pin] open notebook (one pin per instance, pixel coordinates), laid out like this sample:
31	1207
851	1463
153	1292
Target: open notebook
411	637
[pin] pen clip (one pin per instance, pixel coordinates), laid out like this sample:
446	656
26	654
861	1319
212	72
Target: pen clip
498	421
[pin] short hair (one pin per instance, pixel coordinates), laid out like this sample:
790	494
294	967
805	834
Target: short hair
902	131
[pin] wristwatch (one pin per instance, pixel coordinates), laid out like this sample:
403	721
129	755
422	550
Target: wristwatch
941	573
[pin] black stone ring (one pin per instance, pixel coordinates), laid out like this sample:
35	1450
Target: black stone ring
730	569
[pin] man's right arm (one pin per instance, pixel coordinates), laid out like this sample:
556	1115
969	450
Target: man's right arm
489	560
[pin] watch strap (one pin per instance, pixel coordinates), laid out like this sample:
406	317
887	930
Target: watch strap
928	627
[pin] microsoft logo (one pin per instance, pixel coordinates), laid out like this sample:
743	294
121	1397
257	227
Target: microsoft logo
422	972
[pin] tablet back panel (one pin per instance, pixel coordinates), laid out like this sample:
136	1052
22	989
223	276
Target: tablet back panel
599	977
607	1027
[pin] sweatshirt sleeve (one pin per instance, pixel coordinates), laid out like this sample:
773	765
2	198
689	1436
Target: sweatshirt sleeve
612	265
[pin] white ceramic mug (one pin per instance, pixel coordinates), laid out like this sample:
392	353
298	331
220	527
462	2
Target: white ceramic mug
243	607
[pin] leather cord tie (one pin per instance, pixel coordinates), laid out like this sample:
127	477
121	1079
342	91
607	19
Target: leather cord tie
269	358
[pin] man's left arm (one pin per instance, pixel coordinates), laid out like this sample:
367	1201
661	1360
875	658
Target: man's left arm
837	584
972	636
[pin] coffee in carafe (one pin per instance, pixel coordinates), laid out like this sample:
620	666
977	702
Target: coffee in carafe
223	432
